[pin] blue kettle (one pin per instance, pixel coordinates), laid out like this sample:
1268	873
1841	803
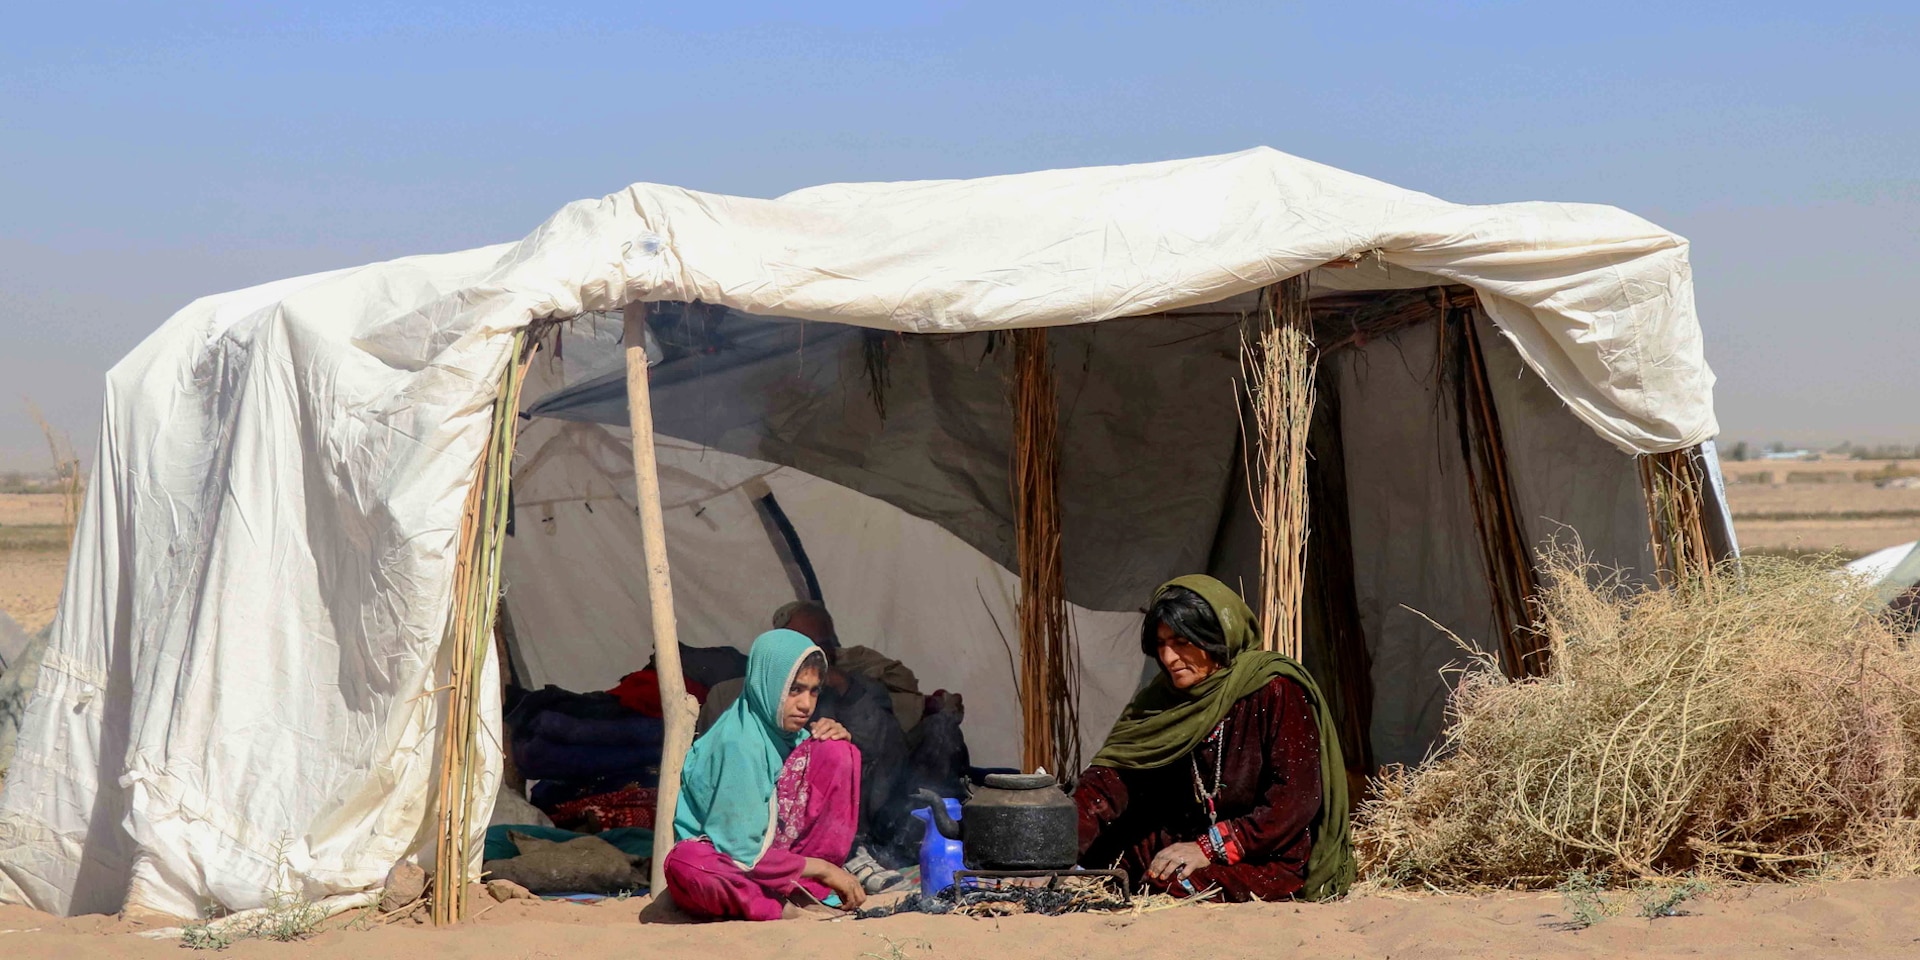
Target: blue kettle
939	856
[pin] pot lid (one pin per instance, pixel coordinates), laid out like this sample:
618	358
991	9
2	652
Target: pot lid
1019	781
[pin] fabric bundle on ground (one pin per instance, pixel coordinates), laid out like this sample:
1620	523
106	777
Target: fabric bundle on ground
579	865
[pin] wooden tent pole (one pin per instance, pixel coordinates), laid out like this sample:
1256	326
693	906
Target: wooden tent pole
678	709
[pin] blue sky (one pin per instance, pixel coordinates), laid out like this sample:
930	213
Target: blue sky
153	153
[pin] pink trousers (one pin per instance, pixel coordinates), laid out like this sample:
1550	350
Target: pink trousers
819	809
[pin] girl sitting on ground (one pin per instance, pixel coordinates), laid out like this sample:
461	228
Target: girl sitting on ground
769	798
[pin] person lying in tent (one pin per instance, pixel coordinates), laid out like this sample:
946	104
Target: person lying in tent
769	797
1224	771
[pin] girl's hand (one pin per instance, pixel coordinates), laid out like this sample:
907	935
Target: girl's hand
827	728
837	879
1176	862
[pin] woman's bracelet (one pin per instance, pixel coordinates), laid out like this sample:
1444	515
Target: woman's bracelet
1219	845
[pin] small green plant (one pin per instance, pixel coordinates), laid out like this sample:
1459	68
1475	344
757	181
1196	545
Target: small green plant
1657	902
205	936
1586	897
285	915
893	949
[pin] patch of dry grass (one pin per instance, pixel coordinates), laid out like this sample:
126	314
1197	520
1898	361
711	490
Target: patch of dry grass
1759	725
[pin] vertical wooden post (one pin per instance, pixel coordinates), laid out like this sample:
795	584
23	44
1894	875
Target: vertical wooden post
678	708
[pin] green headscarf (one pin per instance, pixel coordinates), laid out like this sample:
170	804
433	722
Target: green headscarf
1164	724
728	784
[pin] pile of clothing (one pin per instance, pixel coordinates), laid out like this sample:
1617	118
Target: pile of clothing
594	762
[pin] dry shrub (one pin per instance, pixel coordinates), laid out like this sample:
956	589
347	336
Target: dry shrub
1762	724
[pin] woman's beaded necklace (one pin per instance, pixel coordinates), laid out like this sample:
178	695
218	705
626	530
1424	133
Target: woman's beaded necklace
1203	794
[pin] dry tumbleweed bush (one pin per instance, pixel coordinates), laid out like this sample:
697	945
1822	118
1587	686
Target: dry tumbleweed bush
1763	723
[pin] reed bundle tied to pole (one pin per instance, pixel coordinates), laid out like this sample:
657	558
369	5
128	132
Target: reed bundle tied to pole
1278	361
1049	668
476	597
1674	486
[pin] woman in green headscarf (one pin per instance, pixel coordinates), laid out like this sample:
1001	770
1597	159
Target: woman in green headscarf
769	797
1225	770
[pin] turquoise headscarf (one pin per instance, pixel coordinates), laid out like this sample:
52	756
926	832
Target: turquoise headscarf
727	785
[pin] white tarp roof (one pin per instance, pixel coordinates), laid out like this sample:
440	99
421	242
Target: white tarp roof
251	625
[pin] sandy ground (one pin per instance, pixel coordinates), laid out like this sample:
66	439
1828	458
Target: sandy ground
1774	512
1849	539
26	509
32	564
1853	920
30	585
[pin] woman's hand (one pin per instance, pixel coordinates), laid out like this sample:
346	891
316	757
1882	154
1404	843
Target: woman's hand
1176	862
837	879
827	728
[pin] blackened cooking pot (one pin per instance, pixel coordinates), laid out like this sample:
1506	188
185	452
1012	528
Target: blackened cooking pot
1013	821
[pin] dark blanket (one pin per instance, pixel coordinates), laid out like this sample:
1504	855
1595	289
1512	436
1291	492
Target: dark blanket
556	734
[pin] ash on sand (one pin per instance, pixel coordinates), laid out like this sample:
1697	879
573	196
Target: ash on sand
1073	896
1760	724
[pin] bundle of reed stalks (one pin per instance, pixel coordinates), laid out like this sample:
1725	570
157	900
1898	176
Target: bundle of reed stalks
1757	727
476	596
1049	660
1278	361
1674	486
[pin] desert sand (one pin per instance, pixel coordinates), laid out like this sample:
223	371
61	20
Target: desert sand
1820	506
1855	920
33	561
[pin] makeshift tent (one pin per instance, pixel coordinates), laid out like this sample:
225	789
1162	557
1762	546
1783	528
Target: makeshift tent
286	551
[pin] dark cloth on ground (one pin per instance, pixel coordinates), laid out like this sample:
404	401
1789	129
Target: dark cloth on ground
578	865
1269	762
